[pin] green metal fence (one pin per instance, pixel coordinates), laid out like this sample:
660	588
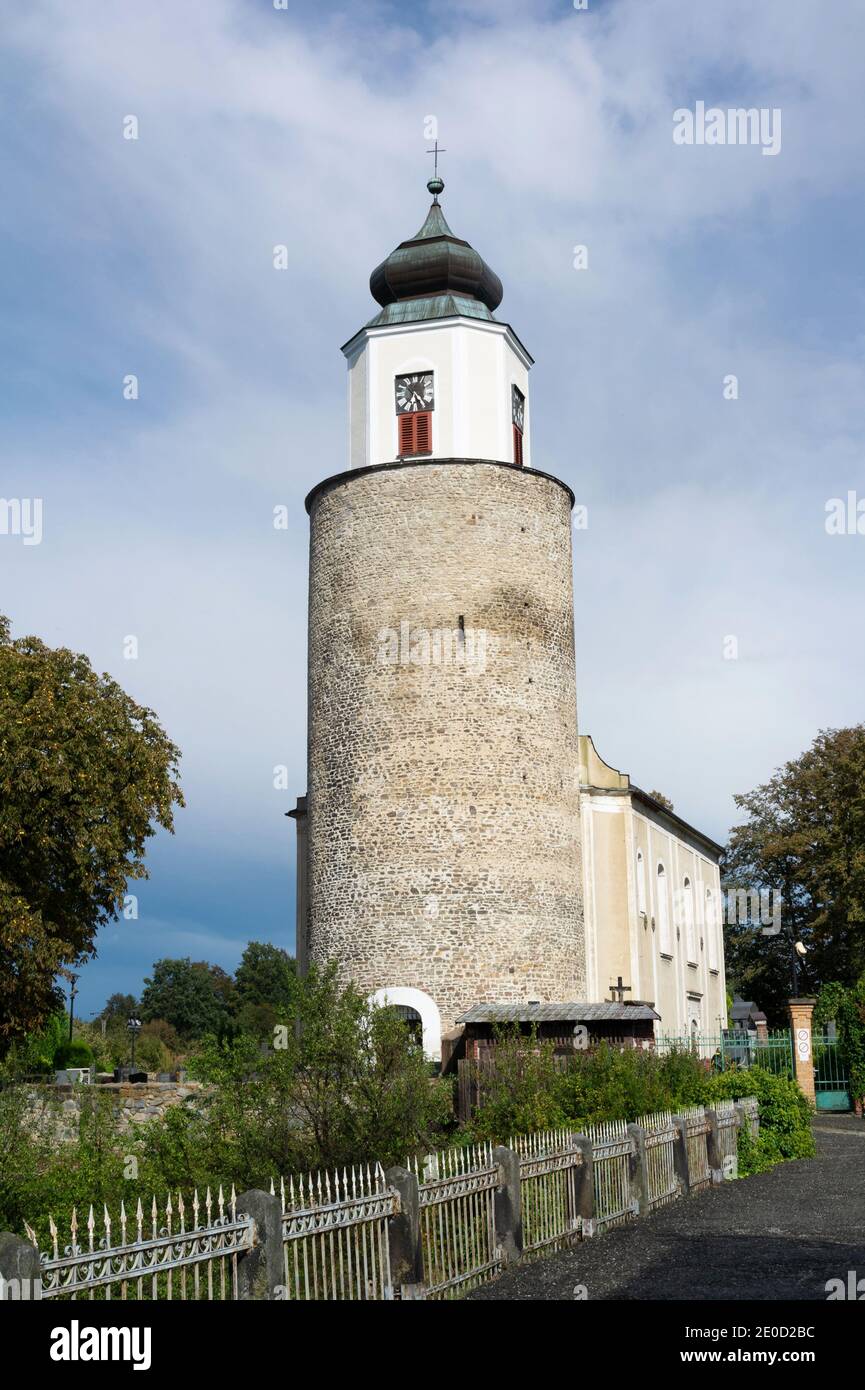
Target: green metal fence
831	1082
735	1049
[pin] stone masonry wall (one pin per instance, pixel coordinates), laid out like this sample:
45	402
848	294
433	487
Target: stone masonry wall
444	823
59	1107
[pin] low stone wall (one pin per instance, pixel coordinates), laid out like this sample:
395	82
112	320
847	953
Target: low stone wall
59	1108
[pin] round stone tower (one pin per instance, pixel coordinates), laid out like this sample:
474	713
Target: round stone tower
442	835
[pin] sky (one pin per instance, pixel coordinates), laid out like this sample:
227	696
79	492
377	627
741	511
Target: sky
305	126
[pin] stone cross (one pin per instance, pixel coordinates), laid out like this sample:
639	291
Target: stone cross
618	991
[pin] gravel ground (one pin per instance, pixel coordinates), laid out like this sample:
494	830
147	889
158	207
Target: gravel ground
778	1235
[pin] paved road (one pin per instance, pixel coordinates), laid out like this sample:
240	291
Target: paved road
780	1234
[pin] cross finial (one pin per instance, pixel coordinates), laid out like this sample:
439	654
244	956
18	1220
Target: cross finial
436	152
436	185
618	992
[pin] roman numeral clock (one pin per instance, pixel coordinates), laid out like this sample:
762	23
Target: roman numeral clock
415	400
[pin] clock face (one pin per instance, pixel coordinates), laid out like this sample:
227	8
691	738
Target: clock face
519	407
414	393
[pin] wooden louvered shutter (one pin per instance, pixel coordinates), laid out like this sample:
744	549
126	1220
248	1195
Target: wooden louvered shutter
406	435
423	433
518	446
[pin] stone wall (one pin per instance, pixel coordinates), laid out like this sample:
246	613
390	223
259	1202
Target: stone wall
443	796
59	1107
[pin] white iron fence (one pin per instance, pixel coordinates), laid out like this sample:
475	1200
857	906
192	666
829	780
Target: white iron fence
549	1168
158	1256
457	1191
336	1230
334	1235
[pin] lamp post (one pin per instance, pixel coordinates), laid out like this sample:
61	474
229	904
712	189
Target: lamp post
73	990
133	1027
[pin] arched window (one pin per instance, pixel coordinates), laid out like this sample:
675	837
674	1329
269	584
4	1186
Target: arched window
641	884
690	923
664	933
712	932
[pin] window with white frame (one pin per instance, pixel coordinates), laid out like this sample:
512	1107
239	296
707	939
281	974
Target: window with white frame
665	934
712	932
690	923
641	884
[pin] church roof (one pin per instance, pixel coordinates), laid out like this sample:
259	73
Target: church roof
434	275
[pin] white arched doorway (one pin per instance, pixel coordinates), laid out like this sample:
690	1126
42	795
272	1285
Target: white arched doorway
431	1022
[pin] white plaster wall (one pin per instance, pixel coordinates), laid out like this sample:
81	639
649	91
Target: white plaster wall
475	364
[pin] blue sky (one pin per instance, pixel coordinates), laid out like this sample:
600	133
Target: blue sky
306	127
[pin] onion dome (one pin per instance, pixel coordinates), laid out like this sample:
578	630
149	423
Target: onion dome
434	275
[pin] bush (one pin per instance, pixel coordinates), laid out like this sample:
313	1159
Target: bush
152	1054
73	1054
529	1092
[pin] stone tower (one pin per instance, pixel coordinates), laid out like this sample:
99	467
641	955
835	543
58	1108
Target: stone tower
439	841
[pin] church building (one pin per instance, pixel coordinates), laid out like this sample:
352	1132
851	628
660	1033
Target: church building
461	848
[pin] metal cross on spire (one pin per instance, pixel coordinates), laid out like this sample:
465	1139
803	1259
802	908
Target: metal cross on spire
436	151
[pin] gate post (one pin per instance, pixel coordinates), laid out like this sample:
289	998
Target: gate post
260	1269
803	1052
20	1269
637	1170
507	1209
680	1154
403	1234
584	1186
713	1148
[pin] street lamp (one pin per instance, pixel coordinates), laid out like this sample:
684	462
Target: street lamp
73	990
133	1027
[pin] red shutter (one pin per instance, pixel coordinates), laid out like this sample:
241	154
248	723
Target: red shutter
423	433
406	435
415	434
518	446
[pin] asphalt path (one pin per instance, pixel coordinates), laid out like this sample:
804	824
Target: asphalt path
777	1235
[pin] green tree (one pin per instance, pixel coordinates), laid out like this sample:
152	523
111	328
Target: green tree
86	777
804	837
265	981
345	1084
118	1009
191	997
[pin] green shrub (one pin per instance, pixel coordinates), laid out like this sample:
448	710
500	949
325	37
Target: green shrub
151	1054
73	1054
785	1117
529	1092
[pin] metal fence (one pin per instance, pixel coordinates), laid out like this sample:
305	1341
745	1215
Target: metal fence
335	1237
549	1161
336	1229
728	1133
612	1151
184	1251
735	1049
751	1109
696	1130
662	1180
831	1080
457	1192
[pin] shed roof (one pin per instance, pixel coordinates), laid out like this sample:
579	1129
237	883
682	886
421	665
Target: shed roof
558	1013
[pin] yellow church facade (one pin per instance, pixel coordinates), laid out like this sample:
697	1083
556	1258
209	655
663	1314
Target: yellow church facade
652	902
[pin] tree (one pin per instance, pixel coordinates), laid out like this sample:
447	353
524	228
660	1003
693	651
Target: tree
86	777
805	839
344	1083
662	800
265	980
118	1009
186	996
